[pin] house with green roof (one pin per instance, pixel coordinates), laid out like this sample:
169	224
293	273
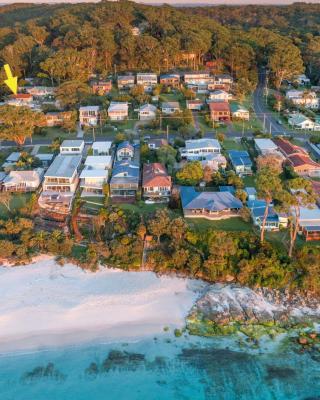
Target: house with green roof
300	121
239	112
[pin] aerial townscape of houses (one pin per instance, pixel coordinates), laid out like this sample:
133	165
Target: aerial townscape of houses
106	168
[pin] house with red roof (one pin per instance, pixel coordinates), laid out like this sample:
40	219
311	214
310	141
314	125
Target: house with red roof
303	165
21	99
287	148
156	183
298	158
220	111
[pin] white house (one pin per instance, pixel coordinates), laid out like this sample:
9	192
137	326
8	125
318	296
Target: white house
21	100
170	107
101	148
219	95
89	115
62	175
92	181
147	112
194	105
299	121
98	162
118	111
239	112
72	147
23	181
147	80
308	99
199	149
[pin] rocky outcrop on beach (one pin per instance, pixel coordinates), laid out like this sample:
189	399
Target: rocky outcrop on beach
231	305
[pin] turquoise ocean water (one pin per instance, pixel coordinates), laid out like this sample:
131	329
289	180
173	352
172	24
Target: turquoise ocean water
164	368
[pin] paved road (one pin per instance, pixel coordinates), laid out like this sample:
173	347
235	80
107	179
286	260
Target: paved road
266	117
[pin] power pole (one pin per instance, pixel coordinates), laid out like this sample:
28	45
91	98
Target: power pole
270	128
242	127
264	122
168	133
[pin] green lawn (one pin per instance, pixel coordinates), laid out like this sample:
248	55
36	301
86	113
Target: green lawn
45	150
18	201
53	132
249	181
231	224
93	202
230	144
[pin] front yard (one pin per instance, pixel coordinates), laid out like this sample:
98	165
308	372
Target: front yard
231	224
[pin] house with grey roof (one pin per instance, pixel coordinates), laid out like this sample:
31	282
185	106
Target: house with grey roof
170	107
147	112
62	175
125	179
209	205
199	149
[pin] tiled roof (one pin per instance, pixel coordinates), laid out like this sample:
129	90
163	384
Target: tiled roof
219	106
288	148
155	174
297	160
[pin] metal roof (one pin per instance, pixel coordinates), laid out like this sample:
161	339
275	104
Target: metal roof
64	166
211	201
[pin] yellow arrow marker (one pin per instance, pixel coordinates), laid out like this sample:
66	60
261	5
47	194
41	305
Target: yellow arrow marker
12	81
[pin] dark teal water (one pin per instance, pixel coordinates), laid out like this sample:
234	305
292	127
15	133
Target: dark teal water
175	368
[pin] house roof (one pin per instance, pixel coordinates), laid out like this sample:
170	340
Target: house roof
148	107
16	177
22	96
155	174
228	188
196	101
251	191
158	142
298	119
89	108
126	77
202	143
211	201
72	143
170	104
99	160
265	144
218	91
114	106
102	146
13	157
170	76
309	216
239	157
125	172
287	148
44	156
219	106
236	107
64	166
94	173
124	145
298	160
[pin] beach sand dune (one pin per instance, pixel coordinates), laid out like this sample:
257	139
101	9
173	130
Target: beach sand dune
44	304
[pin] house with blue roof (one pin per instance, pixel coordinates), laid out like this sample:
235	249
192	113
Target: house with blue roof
125	151
274	220
241	162
209	205
125	179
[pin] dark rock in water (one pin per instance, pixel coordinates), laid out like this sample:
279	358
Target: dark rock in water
275	372
48	372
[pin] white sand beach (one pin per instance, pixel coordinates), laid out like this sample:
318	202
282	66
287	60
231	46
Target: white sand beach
44	305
